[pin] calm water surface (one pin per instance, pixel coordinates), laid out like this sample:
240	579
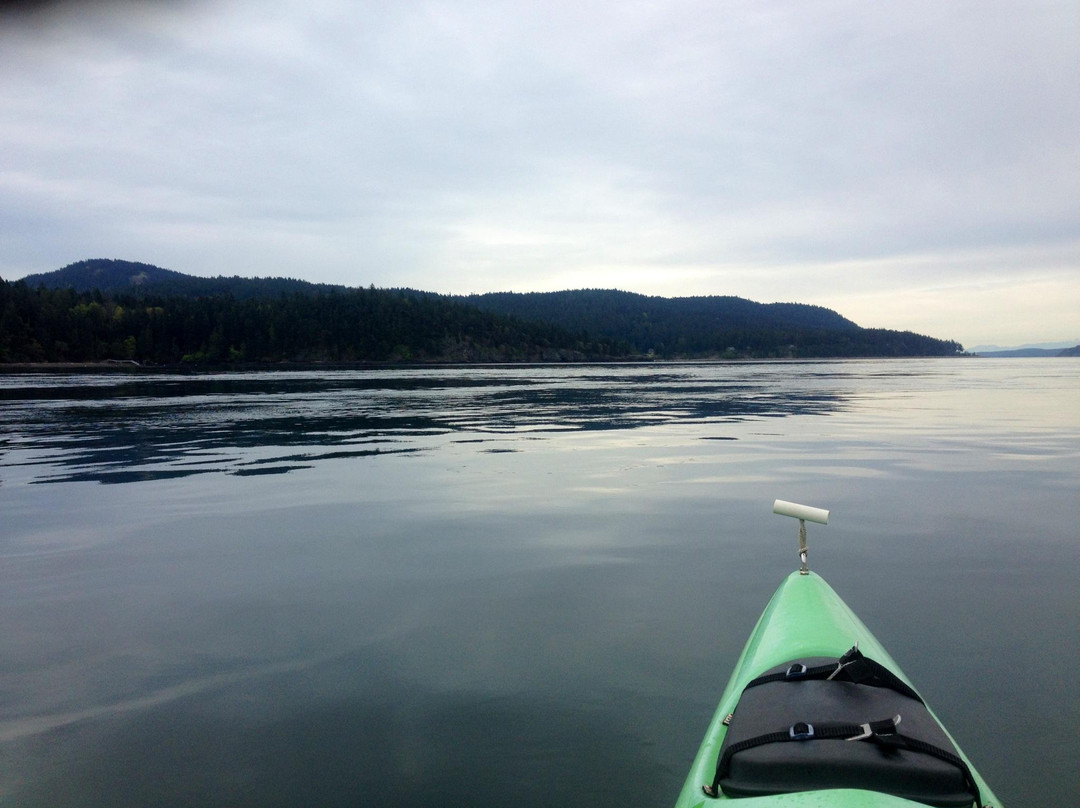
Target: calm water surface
512	585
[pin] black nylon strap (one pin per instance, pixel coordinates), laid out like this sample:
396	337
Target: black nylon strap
817	672
948	757
842	731
851	667
882	732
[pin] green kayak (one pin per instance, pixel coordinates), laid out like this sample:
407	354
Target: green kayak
817	713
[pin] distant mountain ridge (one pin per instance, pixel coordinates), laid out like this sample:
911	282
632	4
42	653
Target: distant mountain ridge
1029	353
1042	346
271	319
133	277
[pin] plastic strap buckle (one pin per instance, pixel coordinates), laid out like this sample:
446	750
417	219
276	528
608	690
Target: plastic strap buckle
884	727
854	664
801	731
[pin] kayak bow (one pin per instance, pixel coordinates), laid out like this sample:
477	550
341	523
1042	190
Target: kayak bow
807	620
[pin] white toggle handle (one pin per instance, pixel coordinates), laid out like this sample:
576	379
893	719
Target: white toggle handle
819	515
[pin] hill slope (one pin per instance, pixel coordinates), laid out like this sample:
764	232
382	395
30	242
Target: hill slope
112	276
609	310
683	325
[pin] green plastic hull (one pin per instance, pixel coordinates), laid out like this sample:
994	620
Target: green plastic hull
805	618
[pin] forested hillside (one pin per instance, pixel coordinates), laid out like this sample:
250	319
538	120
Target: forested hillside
607	310
62	325
710	326
103	309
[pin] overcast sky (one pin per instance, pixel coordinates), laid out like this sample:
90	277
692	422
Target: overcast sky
911	165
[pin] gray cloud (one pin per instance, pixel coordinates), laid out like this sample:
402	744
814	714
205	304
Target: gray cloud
680	148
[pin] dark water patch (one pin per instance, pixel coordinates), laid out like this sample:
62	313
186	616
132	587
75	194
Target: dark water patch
315	456
262	472
118	477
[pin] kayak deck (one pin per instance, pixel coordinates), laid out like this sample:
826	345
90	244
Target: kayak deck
805	618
